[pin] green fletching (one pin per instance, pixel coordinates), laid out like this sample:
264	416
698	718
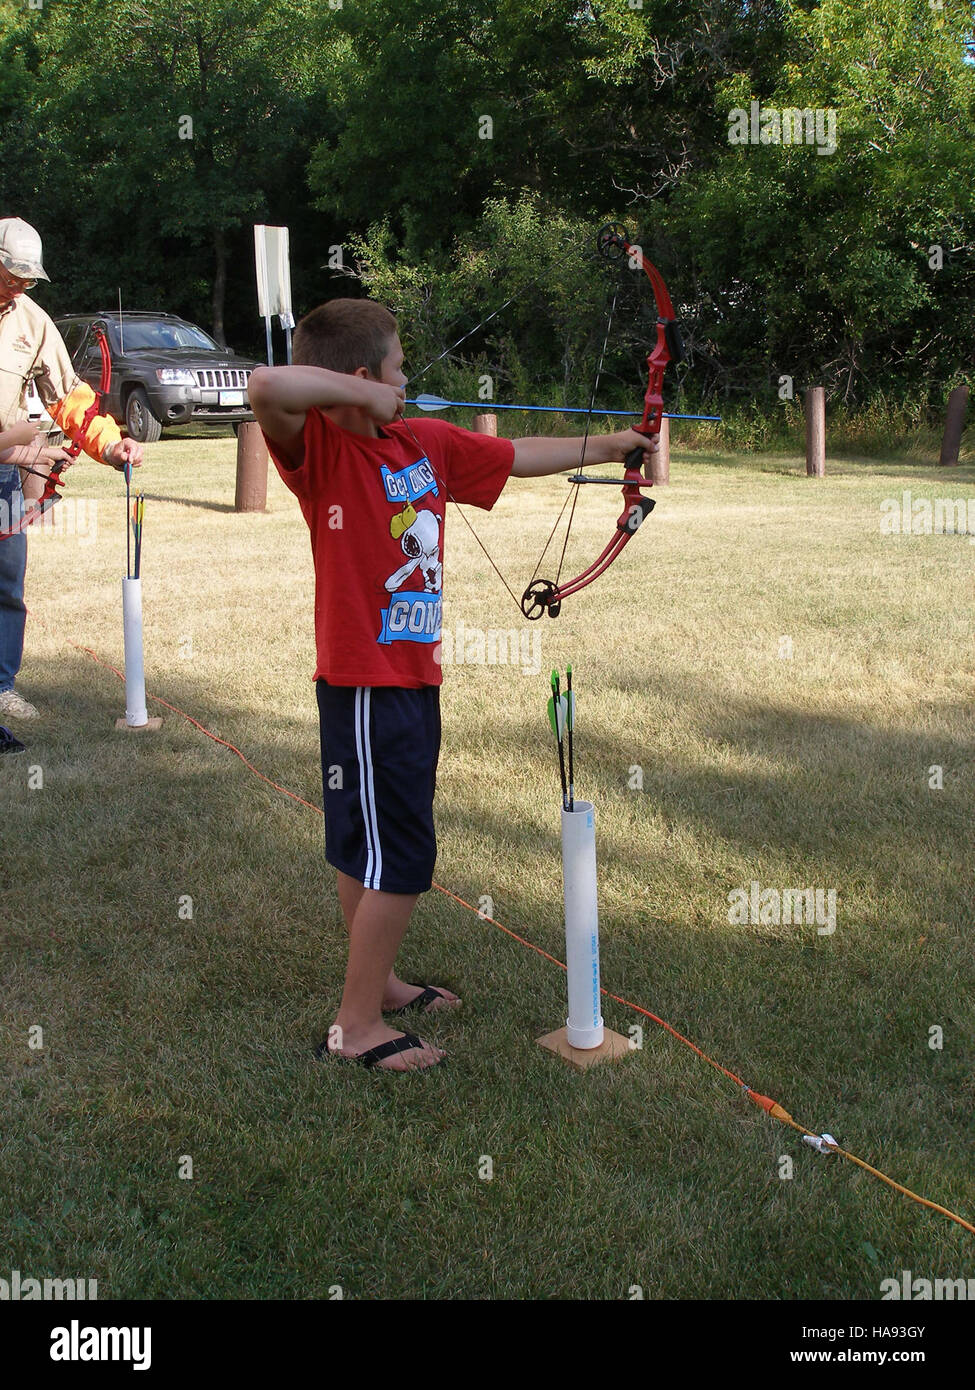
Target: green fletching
560	705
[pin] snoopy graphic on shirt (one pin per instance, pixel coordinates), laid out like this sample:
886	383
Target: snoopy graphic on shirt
414	611
419	536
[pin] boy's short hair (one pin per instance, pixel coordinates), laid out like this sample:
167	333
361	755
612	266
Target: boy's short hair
345	334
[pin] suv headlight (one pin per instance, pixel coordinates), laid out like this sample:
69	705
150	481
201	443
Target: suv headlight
175	376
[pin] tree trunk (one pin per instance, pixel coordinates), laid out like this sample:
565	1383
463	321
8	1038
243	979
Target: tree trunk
219	283
954	427
816	431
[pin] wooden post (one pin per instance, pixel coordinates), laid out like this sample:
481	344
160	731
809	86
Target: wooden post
816	432
954	424
251	495
486	424
660	468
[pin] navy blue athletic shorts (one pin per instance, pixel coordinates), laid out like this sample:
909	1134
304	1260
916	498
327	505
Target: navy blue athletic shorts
380	746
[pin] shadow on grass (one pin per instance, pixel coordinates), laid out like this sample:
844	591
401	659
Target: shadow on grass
200	433
792	465
197	502
842	792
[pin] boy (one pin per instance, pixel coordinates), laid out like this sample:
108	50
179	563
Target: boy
373	489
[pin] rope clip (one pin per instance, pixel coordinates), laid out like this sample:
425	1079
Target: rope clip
823	1143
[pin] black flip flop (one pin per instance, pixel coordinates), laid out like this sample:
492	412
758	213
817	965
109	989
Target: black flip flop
406	1042
419	1004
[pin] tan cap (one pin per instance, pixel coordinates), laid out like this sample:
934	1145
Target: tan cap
20	249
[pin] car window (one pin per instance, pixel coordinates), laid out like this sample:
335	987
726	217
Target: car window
72	334
149	335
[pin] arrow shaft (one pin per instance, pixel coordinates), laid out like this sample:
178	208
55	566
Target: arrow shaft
570	717
128	509
434	403
557	715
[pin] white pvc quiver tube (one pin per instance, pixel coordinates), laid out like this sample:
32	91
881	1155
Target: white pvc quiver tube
136	713
584	1026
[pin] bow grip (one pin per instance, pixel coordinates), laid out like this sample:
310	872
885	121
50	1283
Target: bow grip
634	459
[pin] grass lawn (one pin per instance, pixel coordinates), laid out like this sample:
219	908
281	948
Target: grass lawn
764	681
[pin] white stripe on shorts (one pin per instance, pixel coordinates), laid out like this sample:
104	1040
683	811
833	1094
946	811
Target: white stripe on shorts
367	790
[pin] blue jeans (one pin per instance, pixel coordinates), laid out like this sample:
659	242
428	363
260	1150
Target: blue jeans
13	567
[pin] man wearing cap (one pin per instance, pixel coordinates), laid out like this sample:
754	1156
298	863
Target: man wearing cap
31	348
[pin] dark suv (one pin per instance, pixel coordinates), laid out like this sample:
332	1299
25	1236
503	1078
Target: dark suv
165	371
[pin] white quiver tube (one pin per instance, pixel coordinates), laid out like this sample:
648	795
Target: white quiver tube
584	1026
136	714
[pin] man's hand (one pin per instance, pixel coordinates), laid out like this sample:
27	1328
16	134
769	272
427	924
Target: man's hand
54	453
125	451
23	435
35	461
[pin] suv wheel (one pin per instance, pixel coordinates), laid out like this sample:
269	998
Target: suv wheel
141	423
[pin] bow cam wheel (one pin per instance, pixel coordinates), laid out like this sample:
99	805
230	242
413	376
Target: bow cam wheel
539	598
612	241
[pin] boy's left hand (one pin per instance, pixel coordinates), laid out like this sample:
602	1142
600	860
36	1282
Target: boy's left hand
623	442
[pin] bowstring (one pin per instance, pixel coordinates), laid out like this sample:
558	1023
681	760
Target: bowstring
446	352
459	509
529	284
423	453
415	377
573	496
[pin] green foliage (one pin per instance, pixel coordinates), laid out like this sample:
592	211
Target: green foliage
540	260
169	131
465	154
822	262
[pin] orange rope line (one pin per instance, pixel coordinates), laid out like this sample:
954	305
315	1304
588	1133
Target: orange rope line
765	1103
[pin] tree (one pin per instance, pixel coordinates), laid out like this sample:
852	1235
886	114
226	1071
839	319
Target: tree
168	129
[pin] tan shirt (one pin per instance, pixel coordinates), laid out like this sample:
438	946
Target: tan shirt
32	347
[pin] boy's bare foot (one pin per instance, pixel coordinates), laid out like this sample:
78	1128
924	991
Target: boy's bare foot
400	997
409	1058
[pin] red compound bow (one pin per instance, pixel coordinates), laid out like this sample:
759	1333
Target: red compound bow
546	595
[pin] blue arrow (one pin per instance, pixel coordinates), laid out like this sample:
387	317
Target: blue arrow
430	403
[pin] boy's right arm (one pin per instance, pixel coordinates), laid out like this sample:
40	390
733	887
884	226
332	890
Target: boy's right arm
281	398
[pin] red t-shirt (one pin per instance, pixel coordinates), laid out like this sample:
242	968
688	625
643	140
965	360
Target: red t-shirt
375	509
